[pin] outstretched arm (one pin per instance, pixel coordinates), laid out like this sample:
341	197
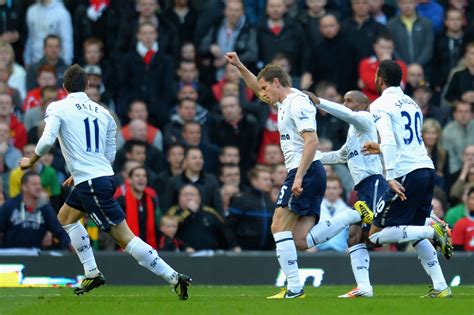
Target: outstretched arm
249	78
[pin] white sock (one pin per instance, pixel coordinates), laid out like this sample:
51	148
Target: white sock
325	230
402	234
429	260
82	245
360	261
288	259
149	258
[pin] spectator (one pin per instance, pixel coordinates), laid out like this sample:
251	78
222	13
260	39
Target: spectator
12	27
95	78
415	76
232	75
188	74
16	128
237	128
192	136
167	240
432	10
380	11
200	226
51	50
383	48
250	213
329	126
175	158
229	155
423	96
58	23
193	174
310	18
188	52
447	49
147	12
461	86
138	111
184	18
142	152
48	176
279	174
25	219
46	77
229	174
270	134
185	112
279	34
413	35
459	211
140	204
283	61
272	155
463	231
466	175
439	203
34	118
232	33
459	134
16	73
93	55
337	58
431	134
331	206
145	74
9	156
227	192
361	29
138	129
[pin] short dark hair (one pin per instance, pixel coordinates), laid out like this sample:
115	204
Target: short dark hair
26	177
128	146
191	148
227	165
383	35
133	170
254	172
51	36
173	146
222	150
189	123
271	72
390	72
94	41
334	178
75	79
186	99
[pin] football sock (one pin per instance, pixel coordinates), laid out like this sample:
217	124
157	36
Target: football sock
360	261
401	234
82	245
429	260
149	258
288	259
325	230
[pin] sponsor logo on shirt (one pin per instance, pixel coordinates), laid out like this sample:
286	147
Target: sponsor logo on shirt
285	137
302	116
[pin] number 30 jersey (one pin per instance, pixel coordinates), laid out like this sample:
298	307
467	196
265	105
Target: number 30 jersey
399	121
86	132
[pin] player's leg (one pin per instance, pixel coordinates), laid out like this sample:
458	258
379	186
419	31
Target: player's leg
360	262
283	224
69	216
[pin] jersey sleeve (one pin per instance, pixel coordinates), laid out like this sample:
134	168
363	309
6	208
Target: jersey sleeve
360	120
303	113
388	144
51	130
335	157
110	141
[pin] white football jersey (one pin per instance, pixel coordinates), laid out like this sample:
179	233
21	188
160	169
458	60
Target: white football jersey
86	132
399	121
362	130
296	114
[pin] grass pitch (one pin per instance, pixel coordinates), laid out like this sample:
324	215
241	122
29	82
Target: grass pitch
230	300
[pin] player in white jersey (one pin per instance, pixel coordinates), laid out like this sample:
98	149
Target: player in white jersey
298	205
402	212
366	171
86	133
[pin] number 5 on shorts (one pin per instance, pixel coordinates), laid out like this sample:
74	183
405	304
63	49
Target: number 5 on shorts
282	193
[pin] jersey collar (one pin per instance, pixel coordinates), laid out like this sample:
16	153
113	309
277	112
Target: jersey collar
78	95
393	89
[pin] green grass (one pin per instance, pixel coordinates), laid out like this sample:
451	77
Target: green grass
230	300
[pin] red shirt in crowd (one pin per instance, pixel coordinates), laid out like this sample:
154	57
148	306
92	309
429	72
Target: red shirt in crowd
33	98
271	135
18	133
368	69
463	234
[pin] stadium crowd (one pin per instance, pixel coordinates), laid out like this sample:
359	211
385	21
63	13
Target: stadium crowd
198	163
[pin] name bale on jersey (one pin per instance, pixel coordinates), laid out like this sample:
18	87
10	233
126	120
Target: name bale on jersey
89	107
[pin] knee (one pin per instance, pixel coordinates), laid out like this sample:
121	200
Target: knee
62	218
276	227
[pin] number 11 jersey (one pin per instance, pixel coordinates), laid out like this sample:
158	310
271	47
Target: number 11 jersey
86	133
399	122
